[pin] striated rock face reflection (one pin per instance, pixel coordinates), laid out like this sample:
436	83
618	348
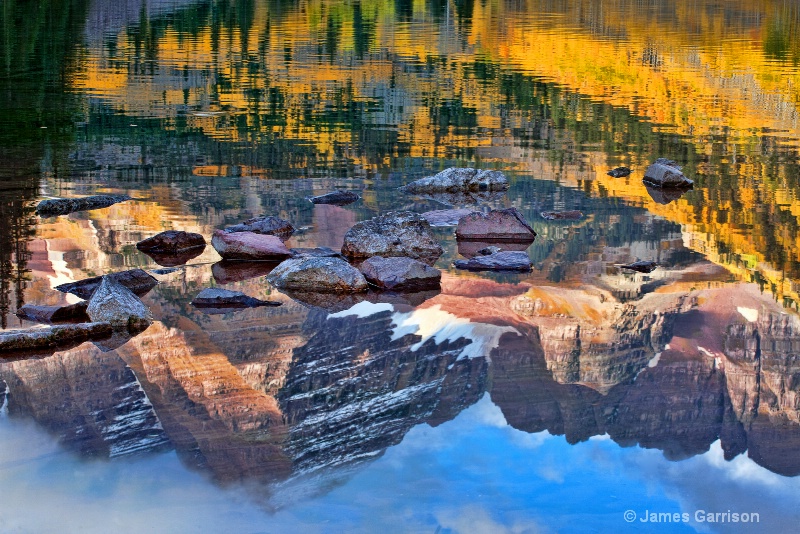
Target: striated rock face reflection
356	387
278	394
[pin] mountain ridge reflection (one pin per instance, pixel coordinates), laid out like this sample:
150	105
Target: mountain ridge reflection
304	392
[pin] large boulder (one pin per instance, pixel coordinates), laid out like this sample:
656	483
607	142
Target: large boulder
401	233
171	241
499	261
323	275
338	198
446	217
73	313
249	246
400	274
459	179
267	225
63	206
61	336
496	225
666	173
115	304
218	298
135	280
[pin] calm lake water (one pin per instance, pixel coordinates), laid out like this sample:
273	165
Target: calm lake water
578	398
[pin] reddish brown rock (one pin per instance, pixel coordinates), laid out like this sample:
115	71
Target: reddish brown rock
54	314
400	274
227	271
249	246
171	241
497	225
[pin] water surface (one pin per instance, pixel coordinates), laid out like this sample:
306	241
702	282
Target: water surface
550	401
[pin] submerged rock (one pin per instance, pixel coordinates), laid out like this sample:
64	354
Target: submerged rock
227	271
488	251
114	303
171	241
666	173
54	314
223	299
641	266
446	217
53	337
456	179
468	249
463	198
338	198
249	246
135	280
267	225
401	233
496	225
400	274
325	275
619	172
63	206
572	215
499	261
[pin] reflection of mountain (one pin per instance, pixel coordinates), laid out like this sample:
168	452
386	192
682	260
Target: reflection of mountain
94	404
276	394
354	390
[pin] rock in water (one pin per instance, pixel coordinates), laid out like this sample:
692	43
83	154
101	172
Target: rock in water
619	172
54	314
401	233
52	337
488	251
338	198
114	303
459	179
135	280
63	206
666	173
641	266
249	246
324	275
499	261
400	274
213	297
572	215
497	225
468	248
267	225
171	241
445	217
